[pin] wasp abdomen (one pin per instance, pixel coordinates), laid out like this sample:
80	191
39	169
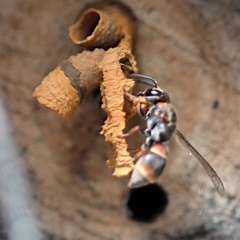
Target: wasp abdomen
149	167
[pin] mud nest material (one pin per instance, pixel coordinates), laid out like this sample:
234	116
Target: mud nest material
106	34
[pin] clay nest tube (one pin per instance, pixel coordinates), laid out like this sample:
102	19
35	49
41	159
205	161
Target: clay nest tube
63	89
107	32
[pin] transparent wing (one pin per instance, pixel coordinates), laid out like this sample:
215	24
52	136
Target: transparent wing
210	171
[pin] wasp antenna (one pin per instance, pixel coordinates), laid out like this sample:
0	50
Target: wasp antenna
146	82
126	67
141	79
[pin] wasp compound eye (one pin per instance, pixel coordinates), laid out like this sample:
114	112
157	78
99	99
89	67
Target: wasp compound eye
153	92
155	95
146	203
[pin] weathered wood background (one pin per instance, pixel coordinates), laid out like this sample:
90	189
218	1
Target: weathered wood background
193	48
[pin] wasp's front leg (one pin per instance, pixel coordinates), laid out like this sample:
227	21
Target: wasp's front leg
126	162
134	99
130	132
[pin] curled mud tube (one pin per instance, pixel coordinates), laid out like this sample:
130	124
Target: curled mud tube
63	89
103	26
108	31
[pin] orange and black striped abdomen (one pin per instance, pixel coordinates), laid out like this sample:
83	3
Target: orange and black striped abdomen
149	166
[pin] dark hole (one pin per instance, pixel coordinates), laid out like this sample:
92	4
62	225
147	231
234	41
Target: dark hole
146	203
215	104
89	25
96	92
126	66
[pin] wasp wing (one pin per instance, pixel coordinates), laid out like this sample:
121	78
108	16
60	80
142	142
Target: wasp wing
210	171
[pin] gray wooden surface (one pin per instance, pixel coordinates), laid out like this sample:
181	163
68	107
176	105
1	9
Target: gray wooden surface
192	48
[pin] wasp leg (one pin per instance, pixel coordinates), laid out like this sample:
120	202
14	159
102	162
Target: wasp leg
134	99
130	132
134	159
125	162
134	149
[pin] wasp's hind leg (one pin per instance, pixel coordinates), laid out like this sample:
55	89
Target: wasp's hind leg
134	159
126	162
134	149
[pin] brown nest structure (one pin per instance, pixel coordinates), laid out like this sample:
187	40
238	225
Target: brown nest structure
106	33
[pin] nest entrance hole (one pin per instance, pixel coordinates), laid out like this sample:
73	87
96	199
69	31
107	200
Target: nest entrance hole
146	203
126	66
88	25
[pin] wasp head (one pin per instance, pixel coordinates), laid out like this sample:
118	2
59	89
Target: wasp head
155	95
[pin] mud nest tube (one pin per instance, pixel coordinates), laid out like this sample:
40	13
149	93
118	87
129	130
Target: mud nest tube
106	33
